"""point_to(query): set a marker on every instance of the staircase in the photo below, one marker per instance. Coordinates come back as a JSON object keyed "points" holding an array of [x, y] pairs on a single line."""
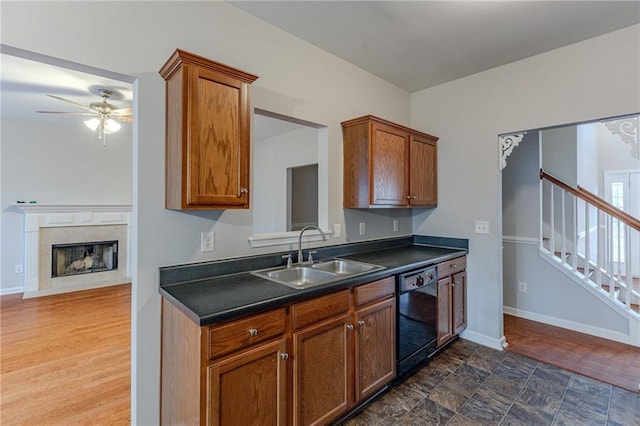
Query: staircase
{"points": [[595, 244]]}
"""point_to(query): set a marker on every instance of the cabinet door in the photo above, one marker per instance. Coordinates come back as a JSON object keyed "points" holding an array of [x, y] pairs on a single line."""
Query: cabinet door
{"points": [[423, 178], [249, 388], [459, 288], [389, 156], [321, 372], [217, 140], [375, 355], [445, 329]]}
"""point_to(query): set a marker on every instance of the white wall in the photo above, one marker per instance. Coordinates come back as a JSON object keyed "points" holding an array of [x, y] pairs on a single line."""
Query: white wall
{"points": [[588, 80], [296, 79], [272, 157], [551, 297], [51, 163], [560, 153], [588, 158], [521, 190], [613, 154]]}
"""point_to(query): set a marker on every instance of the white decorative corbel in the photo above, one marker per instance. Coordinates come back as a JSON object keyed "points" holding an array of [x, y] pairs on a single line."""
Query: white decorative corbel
{"points": [[507, 144], [627, 129]]}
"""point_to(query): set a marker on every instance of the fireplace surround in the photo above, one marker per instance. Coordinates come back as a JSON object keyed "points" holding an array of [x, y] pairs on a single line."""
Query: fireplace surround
{"points": [[51, 226]]}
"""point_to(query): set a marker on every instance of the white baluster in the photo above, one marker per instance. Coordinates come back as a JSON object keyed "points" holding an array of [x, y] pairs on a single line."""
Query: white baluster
{"points": [[552, 237], [574, 258], [587, 237], [610, 253], [563, 227]]}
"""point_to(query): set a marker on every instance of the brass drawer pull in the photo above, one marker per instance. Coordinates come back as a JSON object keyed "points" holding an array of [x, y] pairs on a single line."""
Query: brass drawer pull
{"points": [[253, 332]]}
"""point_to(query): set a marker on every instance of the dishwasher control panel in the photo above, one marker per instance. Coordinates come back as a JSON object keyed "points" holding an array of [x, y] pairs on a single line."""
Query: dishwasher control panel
{"points": [[416, 279]]}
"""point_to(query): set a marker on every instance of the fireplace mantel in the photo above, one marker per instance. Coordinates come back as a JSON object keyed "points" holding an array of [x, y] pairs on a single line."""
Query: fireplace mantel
{"points": [[71, 208], [40, 217]]}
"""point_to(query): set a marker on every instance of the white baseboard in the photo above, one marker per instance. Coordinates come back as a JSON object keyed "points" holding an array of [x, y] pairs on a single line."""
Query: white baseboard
{"points": [[11, 290], [483, 339], [569, 325], [68, 289]]}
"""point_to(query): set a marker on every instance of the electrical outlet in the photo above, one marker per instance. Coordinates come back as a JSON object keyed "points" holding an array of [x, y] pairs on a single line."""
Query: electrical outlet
{"points": [[363, 228], [18, 269], [206, 241], [337, 231], [482, 227], [395, 225], [522, 287]]}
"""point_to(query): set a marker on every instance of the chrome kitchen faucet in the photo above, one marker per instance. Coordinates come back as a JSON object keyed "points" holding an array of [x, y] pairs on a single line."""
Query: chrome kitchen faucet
{"points": [[300, 256]]}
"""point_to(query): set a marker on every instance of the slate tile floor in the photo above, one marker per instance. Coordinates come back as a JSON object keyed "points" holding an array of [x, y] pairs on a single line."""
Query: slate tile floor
{"points": [[469, 384]]}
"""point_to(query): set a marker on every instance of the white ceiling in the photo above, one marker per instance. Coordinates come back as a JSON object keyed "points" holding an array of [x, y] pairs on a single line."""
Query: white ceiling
{"points": [[419, 44], [25, 82], [412, 44]]}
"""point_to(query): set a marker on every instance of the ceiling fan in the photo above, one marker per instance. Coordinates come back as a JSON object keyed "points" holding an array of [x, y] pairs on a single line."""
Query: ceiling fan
{"points": [[106, 115]]}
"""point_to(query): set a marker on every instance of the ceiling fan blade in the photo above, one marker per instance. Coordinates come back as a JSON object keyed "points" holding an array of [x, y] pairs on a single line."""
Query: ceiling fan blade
{"points": [[123, 119], [70, 102], [67, 112], [123, 111]]}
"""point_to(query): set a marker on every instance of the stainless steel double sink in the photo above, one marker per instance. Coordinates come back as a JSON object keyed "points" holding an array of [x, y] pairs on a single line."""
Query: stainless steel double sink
{"points": [[311, 275]]}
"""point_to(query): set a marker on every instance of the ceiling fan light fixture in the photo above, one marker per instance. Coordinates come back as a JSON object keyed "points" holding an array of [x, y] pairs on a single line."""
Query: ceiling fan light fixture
{"points": [[92, 123], [111, 126], [107, 115]]}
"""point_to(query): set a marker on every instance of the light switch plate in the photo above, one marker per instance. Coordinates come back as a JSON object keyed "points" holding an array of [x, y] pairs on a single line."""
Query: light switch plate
{"points": [[482, 227]]}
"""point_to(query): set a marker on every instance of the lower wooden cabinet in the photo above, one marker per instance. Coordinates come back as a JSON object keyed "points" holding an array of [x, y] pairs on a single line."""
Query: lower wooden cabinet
{"points": [[459, 292], [249, 388], [375, 349], [338, 362], [321, 372], [452, 316], [445, 328], [304, 364]]}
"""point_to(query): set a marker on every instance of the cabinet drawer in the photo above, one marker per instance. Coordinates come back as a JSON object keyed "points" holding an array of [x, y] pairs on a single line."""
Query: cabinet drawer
{"points": [[310, 311], [240, 334], [452, 266], [376, 290]]}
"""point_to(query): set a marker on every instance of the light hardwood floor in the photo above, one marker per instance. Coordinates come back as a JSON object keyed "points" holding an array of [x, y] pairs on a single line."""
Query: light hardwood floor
{"points": [[611, 362], [65, 359]]}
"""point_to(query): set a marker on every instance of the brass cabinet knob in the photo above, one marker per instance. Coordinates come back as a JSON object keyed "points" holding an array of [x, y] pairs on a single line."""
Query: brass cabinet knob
{"points": [[253, 332]]}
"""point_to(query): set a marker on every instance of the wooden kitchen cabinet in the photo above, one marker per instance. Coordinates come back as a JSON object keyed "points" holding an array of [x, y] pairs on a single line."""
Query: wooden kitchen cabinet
{"points": [[249, 388], [206, 371], [345, 357], [459, 311], [388, 165], [208, 126], [423, 179], [307, 363], [322, 359], [375, 353], [452, 316]]}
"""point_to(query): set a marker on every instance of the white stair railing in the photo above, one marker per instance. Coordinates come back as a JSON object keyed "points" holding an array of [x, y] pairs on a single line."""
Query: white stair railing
{"points": [[602, 242]]}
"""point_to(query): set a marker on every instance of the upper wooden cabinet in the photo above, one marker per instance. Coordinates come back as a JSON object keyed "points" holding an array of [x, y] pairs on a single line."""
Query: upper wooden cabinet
{"points": [[207, 135], [388, 165]]}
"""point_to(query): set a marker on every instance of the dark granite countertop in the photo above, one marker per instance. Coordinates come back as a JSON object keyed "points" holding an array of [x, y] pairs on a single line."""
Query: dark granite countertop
{"points": [[216, 291]]}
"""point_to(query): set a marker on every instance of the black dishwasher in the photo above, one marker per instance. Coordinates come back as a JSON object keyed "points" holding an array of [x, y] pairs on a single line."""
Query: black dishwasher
{"points": [[417, 317]]}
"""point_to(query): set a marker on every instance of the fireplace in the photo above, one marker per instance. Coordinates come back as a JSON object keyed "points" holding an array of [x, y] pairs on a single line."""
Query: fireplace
{"points": [[83, 258], [70, 247]]}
